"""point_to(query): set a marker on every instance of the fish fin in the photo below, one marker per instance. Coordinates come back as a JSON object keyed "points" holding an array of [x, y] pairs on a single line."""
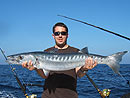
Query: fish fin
{"points": [[37, 61], [84, 50], [46, 72], [114, 59]]}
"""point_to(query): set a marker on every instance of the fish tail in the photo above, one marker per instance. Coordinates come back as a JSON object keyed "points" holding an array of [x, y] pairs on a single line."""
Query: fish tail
{"points": [[113, 61], [124, 79]]}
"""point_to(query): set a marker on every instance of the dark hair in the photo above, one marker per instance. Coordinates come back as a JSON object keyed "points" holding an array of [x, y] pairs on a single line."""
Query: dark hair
{"points": [[60, 24]]}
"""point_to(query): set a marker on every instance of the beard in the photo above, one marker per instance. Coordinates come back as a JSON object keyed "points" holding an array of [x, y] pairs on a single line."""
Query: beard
{"points": [[61, 45]]}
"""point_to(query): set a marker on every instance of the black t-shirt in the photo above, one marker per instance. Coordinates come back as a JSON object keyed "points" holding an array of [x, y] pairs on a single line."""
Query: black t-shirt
{"points": [[61, 84]]}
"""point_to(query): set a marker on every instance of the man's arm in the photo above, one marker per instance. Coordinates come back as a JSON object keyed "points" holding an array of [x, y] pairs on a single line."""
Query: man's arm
{"points": [[41, 73], [29, 66], [89, 64]]}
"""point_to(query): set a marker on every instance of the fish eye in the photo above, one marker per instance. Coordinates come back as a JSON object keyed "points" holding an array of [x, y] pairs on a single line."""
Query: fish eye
{"points": [[20, 57]]}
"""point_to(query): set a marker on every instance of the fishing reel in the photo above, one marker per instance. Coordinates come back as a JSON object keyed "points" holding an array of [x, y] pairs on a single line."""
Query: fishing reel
{"points": [[32, 96], [105, 93]]}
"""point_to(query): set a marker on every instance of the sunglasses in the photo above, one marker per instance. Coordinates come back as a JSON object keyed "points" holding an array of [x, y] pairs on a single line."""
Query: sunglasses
{"points": [[58, 33]]}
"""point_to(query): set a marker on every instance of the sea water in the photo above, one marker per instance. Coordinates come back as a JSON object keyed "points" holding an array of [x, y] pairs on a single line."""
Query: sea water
{"points": [[102, 75]]}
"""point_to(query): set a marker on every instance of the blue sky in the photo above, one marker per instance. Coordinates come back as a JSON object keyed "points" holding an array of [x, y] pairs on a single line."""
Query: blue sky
{"points": [[26, 25]]}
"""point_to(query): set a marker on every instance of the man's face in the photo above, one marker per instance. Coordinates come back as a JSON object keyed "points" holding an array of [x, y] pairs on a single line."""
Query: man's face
{"points": [[60, 39]]}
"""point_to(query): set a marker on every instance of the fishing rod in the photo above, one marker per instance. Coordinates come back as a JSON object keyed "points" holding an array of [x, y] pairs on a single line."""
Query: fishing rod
{"points": [[23, 87], [119, 35], [15, 75], [104, 94], [34, 85]]}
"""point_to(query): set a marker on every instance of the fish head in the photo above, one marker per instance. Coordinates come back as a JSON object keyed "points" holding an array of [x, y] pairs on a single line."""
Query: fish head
{"points": [[17, 59]]}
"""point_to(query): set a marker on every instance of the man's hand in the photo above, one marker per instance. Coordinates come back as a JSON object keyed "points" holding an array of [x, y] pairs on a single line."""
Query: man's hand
{"points": [[28, 65], [89, 64]]}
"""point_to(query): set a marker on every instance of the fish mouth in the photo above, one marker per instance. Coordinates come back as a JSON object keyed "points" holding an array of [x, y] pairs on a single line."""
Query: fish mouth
{"points": [[11, 60]]}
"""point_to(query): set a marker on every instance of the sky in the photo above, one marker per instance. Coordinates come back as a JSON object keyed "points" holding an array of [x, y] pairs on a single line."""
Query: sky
{"points": [[26, 25]]}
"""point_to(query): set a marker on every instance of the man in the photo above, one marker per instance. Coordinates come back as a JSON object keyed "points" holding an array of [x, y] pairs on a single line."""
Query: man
{"points": [[62, 84]]}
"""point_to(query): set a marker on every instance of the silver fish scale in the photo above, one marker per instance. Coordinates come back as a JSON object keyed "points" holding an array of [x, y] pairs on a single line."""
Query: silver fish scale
{"points": [[64, 58], [62, 65], [66, 61], [60, 61]]}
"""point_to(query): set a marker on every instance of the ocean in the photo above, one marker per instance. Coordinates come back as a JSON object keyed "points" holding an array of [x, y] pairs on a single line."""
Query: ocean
{"points": [[102, 75]]}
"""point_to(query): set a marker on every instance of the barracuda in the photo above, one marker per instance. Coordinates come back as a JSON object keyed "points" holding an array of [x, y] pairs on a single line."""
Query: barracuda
{"points": [[49, 61]]}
